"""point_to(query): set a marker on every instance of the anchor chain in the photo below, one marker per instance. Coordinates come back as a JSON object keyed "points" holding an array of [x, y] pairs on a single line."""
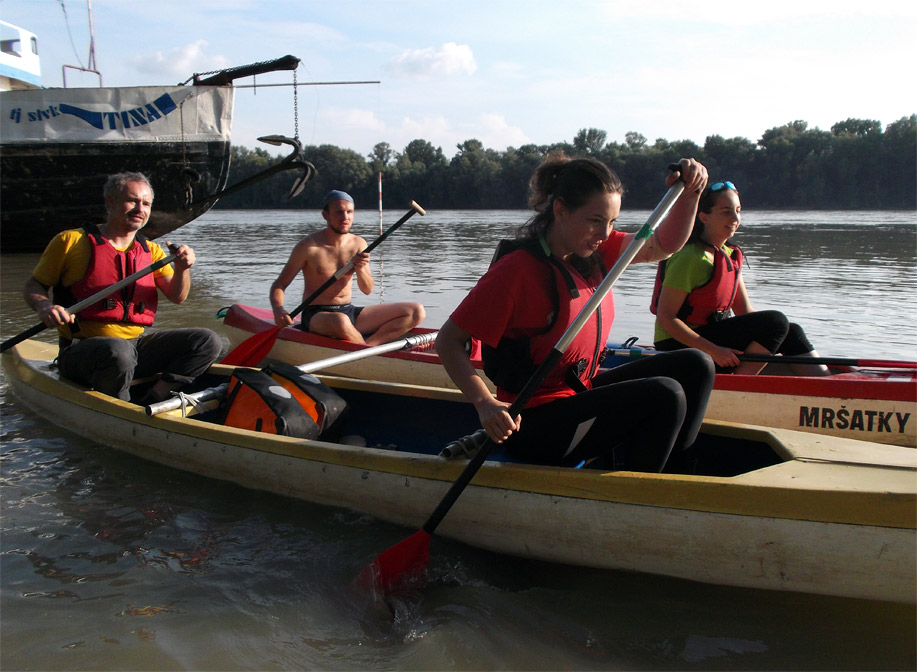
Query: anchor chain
{"points": [[192, 177], [295, 106]]}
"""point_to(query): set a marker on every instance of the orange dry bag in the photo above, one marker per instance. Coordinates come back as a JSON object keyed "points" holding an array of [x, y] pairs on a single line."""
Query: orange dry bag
{"points": [[281, 399]]}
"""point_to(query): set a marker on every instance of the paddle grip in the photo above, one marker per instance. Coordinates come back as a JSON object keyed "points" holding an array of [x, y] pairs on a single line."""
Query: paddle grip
{"points": [[676, 168], [487, 447], [390, 230], [346, 267], [173, 403]]}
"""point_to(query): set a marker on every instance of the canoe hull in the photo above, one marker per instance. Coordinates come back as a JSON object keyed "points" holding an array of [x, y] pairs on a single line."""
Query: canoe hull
{"points": [[871, 405], [765, 529], [827, 411]]}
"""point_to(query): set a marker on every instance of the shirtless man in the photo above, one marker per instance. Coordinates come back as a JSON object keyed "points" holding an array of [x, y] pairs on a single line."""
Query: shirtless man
{"points": [[319, 256]]}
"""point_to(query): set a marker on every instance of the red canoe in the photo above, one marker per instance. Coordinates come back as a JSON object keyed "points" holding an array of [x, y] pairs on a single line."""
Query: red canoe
{"points": [[874, 404]]}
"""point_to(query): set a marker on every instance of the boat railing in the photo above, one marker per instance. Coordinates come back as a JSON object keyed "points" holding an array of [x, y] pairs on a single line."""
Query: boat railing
{"points": [[80, 69]]}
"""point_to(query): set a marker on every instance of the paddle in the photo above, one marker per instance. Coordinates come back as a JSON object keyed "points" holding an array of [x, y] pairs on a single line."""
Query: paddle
{"points": [[408, 559], [636, 353], [829, 361], [219, 391], [255, 348], [98, 296]]}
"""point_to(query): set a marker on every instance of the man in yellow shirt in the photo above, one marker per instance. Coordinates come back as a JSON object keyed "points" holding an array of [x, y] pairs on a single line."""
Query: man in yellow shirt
{"points": [[105, 346]]}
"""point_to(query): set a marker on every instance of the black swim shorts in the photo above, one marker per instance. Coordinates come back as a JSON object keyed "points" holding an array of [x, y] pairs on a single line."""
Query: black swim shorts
{"points": [[347, 309]]}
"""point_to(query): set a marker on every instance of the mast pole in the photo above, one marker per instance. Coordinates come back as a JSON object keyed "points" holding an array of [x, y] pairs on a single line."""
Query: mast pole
{"points": [[92, 39]]}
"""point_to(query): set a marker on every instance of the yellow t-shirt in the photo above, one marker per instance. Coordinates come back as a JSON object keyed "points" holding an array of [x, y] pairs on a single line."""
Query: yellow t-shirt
{"points": [[66, 260]]}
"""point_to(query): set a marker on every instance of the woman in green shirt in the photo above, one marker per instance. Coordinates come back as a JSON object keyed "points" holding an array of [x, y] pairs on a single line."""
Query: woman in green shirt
{"points": [[700, 285]]}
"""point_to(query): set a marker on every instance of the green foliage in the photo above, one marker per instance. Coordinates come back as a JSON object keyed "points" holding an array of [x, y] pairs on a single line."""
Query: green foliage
{"points": [[856, 165], [589, 141]]}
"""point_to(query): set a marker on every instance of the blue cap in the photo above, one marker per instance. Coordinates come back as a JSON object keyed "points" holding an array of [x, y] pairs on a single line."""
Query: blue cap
{"points": [[335, 195]]}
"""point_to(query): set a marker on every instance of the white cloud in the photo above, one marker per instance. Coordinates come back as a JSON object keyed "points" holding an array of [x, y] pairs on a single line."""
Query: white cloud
{"points": [[181, 61], [651, 68], [495, 133], [449, 60], [432, 128], [440, 131], [353, 119]]}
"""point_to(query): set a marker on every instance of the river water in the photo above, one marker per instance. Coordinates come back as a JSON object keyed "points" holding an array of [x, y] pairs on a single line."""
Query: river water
{"points": [[112, 563]]}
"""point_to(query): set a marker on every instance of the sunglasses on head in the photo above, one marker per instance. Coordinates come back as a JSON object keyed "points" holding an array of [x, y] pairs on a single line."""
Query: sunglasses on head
{"points": [[719, 186]]}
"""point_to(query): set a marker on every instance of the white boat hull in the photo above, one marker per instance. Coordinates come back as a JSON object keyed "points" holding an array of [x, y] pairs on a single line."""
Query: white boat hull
{"points": [[888, 421]]}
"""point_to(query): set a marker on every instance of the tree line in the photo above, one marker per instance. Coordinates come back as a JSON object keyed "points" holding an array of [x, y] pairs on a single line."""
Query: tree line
{"points": [[855, 166]]}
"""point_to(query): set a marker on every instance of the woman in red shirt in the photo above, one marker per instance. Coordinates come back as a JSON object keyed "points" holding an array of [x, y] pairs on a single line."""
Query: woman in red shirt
{"points": [[630, 417]]}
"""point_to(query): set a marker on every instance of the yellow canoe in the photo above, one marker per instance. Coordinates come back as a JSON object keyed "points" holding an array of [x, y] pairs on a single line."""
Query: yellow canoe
{"points": [[772, 509]]}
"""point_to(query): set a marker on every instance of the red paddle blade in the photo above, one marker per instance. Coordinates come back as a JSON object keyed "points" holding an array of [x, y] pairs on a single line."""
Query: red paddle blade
{"points": [[253, 349], [886, 364], [403, 564]]}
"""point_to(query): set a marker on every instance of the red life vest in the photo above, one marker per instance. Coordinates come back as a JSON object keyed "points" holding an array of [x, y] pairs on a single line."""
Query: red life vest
{"points": [[711, 301], [134, 304], [513, 361]]}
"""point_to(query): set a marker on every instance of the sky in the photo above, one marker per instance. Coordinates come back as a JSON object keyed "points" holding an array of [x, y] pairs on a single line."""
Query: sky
{"points": [[505, 72]]}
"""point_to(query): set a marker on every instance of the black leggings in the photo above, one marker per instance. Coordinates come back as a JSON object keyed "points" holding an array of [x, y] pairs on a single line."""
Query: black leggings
{"points": [[768, 328], [635, 415]]}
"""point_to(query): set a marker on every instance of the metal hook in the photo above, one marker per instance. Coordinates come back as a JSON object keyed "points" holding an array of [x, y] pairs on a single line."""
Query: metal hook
{"points": [[296, 160]]}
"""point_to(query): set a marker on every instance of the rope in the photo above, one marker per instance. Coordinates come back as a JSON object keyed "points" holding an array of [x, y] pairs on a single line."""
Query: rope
{"points": [[69, 33], [187, 400], [424, 345]]}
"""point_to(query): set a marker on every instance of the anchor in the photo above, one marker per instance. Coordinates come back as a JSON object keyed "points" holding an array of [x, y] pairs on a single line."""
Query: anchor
{"points": [[295, 161]]}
